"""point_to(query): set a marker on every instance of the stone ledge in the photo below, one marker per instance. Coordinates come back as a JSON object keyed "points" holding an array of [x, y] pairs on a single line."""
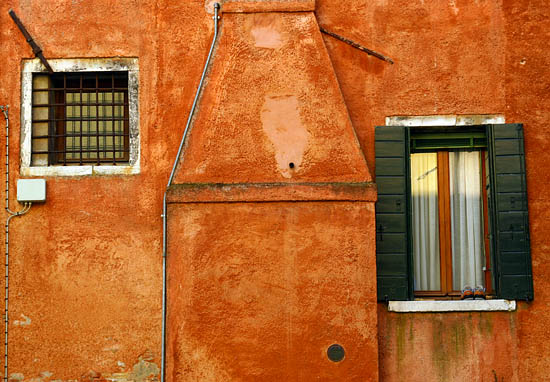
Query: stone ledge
{"points": [[254, 6], [85, 170], [270, 192], [445, 120], [452, 306]]}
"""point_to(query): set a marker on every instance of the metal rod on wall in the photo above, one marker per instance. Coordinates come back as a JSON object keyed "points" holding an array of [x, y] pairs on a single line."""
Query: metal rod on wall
{"points": [[357, 46], [35, 48]]}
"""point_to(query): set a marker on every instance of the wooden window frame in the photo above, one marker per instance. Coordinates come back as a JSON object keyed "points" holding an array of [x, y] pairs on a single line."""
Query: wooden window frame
{"points": [[509, 272], [445, 237]]}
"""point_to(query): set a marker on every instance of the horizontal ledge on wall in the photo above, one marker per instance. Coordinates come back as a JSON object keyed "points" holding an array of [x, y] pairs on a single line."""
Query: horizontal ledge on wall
{"points": [[244, 6], [444, 120], [85, 170], [428, 306], [270, 192]]}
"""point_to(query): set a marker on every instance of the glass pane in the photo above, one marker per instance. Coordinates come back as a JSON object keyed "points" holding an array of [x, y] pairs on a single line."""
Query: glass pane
{"points": [[81, 119], [425, 221], [466, 219]]}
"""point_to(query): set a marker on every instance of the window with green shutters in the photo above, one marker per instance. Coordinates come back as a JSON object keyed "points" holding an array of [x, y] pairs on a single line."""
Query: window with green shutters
{"points": [[506, 232]]}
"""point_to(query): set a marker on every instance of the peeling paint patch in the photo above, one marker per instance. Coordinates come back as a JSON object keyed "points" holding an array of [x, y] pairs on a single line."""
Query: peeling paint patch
{"points": [[282, 124], [266, 37], [113, 348], [265, 31], [455, 9], [26, 321], [16, 377], [144, 370], [90, 376]]}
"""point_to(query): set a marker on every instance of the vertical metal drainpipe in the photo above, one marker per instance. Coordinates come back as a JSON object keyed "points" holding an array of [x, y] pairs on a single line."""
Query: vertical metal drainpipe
{"points": [[164, 216], [12, 214]]}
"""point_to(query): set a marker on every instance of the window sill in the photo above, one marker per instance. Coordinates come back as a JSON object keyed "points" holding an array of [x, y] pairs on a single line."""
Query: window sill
{"points": [[79, 170], [452, 306]]}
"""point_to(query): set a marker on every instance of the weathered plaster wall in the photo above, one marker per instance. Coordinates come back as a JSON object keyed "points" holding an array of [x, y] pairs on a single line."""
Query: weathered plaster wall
{"points": [[449, 346], [456, 57], [259, 291], [86, 268], [272, 110], [271, 230]]}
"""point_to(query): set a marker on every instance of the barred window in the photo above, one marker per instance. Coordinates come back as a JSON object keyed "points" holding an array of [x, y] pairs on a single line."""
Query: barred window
{"points": [[80, 118]]}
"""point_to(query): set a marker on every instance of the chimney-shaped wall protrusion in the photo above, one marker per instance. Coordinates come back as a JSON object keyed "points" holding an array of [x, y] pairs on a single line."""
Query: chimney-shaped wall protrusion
{"points": [[272, 109], [271, 260]]}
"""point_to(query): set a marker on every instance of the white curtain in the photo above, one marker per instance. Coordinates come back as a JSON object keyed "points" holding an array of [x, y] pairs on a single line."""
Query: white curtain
{"points": [[425, 221], [466, 219]]}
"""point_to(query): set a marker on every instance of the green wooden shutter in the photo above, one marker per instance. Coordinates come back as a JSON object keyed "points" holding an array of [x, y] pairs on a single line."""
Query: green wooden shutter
{"points": [[392, 213], [509, 216]]}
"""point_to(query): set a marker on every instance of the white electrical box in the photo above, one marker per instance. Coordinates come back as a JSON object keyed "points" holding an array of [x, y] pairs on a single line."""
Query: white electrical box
{"points": [[31, 190]]}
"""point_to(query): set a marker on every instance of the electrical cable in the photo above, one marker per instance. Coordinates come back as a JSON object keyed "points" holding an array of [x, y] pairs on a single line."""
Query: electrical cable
{"points": [[12, 214]]}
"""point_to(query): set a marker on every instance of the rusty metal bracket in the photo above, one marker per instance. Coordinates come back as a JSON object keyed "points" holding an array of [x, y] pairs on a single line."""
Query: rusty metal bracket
{"points": [[35, 48], [357, 46]]}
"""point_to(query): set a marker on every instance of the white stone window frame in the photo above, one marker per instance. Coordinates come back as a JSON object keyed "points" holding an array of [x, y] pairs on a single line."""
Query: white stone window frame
{"points": [[441, 306], [80, 65]]}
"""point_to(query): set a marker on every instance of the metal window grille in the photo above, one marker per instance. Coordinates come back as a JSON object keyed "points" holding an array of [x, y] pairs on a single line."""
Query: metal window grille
{"points": [[80, 118]]}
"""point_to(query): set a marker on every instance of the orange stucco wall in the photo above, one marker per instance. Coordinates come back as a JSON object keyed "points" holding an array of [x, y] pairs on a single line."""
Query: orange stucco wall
{"points": [[259, 291], [85, 268], [456, 57], [276, 264]]}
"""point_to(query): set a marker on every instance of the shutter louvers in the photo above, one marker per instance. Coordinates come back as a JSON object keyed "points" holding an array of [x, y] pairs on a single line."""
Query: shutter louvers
{"points": [[392, 222], [509, 221]]}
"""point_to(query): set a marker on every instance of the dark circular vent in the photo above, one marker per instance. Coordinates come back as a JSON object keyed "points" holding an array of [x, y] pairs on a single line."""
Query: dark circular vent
{"points": [[336, 353]]}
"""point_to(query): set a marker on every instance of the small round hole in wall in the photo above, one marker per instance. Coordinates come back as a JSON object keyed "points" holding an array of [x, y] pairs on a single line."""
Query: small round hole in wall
{"points": [[291, 165], [335, 353]]}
